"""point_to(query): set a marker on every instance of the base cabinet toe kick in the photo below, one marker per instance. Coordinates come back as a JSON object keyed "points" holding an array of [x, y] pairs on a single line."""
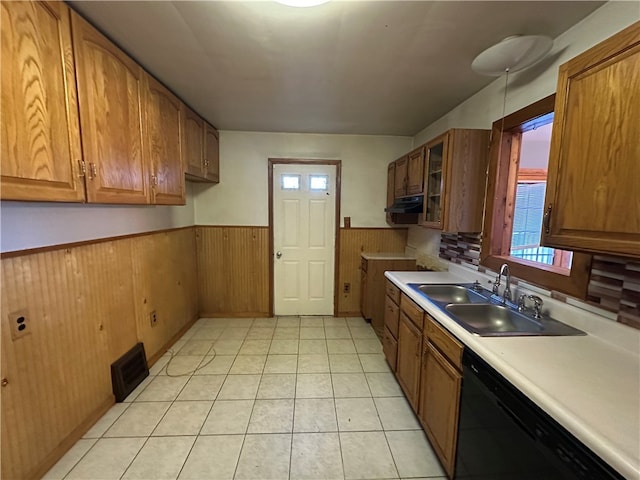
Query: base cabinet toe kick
{"points": [[478, 423]]}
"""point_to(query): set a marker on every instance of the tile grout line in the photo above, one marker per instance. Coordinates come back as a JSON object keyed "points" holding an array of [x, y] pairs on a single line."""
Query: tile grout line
{"points": [[296, 375], [198, 435], [190, 376]]}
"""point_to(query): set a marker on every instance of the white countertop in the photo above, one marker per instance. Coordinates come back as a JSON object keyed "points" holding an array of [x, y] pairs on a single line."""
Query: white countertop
{"points": [[386, 256], [588, 384]]}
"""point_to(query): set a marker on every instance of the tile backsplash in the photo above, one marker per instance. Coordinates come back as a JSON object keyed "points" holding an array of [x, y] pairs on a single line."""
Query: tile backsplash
{"points": [[614, 284], [461, 248]]}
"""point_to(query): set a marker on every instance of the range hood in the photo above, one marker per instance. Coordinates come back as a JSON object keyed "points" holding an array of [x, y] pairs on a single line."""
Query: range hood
{"points": [[406, 205]]}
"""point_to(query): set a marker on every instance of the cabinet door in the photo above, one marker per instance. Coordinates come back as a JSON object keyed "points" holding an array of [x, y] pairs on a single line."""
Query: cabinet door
{"points": [[401, 177], [437, 151], [408, 366], [465, 174], [415, 172], [594, 163], [391, 189], [110, 98], [192, 142], [440, 406], [162, 127], [40, 130], [211, 154], [390, 349], [391, 316]]}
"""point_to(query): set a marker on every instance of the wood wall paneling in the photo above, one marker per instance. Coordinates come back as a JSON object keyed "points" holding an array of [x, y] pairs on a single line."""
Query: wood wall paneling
{"points": [[233, 270], [354, 241], [84, 307], [164, 270]]}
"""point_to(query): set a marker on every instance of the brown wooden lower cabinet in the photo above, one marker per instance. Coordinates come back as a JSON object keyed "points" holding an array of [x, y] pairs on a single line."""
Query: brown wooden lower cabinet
{"points": [[390, 348], [391, 316], [441, 405], [428, 365], [374, 285], [408, 364]]}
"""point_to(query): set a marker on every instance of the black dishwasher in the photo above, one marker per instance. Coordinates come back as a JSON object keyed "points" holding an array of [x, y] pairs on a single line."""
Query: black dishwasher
{"points": [[502, 435]]}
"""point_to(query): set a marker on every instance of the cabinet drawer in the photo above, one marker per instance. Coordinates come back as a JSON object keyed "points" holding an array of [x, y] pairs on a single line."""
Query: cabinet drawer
{"points": [[390, 348], [393, 292], [449, 346], [391, 316], [411, 310]]}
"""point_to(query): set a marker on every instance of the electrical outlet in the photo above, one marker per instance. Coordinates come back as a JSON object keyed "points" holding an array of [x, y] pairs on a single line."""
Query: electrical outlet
{"points": [[19, 324], [346, 288], [153, 317]]}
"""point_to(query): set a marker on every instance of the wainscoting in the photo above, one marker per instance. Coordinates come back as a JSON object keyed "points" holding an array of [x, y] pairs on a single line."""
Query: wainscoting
{"points": [[233, 267], [354, 241], [84, 305], [233, 271]]}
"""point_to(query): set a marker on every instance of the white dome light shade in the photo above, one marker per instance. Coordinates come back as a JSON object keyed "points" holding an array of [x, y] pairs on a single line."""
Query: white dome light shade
{"points": [[302, 3], [512, 54]]}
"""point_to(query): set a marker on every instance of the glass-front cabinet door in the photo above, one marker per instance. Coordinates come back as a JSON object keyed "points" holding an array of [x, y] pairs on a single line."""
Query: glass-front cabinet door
{"points": [[433, 181]]}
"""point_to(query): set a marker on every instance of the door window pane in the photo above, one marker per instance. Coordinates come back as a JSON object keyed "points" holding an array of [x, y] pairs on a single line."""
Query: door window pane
{"points": [[318, 182], [290, 182]]}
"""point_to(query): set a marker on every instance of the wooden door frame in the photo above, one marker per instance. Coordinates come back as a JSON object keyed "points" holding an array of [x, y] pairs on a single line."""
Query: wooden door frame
{"points": [[336, 256]]}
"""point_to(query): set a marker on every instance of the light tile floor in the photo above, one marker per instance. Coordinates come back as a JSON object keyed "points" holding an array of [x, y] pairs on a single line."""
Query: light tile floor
{"points": [[272, 398]]}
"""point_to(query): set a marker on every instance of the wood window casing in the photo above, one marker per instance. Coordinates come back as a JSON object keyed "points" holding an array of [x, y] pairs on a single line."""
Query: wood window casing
{"points": [[498, 222]]}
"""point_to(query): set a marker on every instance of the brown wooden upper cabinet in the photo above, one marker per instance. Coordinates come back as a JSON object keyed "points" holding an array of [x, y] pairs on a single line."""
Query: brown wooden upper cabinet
{"points": [[415, 171], [409, 174], [454, 180], [41, 150], [200, 148], [391, 182], [592, 202], [192, 142], [162, 148], [110, 94], [104, 130], [211, 153], [400, 178]]}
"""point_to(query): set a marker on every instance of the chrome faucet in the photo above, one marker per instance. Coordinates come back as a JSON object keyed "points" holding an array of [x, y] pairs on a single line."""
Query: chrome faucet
{"points": [[506, 294], [537, 305]]}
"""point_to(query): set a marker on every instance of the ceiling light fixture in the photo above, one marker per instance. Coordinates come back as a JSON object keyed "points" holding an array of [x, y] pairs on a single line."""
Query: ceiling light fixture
{"points": [[512, 54], [302, 3]]}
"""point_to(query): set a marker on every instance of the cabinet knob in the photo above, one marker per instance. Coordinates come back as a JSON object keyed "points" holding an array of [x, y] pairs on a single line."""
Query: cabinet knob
{"points": [[4, 382]]}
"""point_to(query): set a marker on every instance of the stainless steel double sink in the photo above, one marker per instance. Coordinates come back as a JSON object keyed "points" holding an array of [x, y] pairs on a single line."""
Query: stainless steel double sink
{"points": [[482, 313]]}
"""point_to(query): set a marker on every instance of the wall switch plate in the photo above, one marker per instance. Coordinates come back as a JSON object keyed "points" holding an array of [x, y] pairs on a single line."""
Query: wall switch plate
{"points": [[153, 318], [19, 324]]}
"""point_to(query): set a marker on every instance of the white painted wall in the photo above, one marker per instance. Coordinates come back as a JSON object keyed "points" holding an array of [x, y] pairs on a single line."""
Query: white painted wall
{"points": [[241, 198], [526, 87], [32, 224]]}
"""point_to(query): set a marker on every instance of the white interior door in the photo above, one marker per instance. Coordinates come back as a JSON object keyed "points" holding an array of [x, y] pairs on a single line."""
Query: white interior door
{"points": [[304, 208]]}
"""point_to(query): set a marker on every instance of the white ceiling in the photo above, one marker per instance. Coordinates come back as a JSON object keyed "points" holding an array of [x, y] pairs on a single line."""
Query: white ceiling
{"points": [[357, 67]]}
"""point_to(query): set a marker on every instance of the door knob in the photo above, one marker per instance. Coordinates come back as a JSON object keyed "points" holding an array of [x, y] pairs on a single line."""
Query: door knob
{"points": [[278, 254]]}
